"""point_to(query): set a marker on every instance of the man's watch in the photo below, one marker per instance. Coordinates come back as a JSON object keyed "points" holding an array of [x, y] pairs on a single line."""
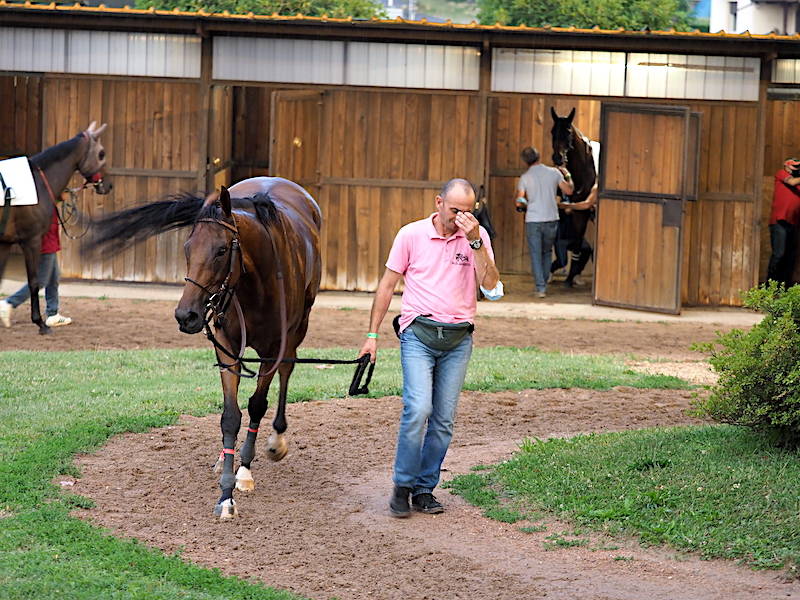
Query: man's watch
{"points": [[476, 244]]}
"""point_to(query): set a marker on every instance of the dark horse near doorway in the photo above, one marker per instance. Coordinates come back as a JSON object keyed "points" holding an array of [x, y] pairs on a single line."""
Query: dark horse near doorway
{"points": [[572, 149], [52, 170], [253, 270]]}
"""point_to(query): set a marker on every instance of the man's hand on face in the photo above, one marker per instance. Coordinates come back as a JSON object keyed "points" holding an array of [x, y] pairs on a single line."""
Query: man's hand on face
{"points": [[467, 223]]}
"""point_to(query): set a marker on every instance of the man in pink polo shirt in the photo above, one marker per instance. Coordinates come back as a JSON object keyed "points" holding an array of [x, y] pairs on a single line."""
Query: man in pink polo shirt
{"points": [[443, 259]]}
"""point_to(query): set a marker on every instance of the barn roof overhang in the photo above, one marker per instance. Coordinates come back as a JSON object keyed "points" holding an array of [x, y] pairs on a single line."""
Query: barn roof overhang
{"points": [[398, 30]]}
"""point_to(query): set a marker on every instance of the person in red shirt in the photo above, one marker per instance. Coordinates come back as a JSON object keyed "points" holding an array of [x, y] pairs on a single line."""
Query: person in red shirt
{"points": [[783, 222], [49, 274]]}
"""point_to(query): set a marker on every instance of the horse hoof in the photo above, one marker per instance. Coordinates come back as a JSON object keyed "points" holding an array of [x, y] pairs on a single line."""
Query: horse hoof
{"points": [[226, 510], [277, 446], [244, 480], [45, 330]]}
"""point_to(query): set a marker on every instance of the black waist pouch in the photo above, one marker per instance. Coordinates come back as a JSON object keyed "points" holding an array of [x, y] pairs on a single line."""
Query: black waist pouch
{"points": [[440, 336]]}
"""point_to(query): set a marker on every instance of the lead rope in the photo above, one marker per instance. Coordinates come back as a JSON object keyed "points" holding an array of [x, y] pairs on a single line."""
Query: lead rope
{"points": [[363, 364]]}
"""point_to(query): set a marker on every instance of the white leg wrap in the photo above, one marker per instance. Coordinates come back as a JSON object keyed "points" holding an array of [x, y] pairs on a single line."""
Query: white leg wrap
{"points": [[244, 480], [226, 510]]}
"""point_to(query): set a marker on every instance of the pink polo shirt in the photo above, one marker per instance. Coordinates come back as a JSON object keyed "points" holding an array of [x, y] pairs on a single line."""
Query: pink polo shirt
{"points": [[439, 273]]}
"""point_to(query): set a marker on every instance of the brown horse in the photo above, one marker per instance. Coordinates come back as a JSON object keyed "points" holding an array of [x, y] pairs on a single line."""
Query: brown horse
{"points": [[572, 149], [253, 270], [52, 170]]}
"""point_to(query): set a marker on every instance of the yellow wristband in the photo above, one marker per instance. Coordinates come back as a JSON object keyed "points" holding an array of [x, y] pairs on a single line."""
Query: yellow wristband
{"points": [[372, 336]]}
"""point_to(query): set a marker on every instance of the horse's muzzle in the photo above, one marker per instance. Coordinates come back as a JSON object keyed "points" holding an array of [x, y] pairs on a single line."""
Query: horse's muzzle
{"points": [[103, 187], [189, 321], [557, 160]]}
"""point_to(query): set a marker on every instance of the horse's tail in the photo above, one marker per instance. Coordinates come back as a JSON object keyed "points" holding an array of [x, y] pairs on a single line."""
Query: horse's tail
{"points": [[117, 231]]}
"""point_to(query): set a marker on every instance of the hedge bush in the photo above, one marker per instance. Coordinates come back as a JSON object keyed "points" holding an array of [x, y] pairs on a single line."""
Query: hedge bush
{"points": [[759, 370]]}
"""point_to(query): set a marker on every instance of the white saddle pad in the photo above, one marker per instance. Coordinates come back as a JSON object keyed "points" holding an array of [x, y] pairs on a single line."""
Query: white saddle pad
{"points": [[17, 175]]}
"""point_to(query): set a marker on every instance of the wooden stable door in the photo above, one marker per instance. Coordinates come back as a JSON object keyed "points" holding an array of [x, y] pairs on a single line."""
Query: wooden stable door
{"points": [[645, 175], [220, 137], [296, 121]]}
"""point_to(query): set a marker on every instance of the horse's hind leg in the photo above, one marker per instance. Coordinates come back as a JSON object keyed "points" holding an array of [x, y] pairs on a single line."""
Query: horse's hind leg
{"points": [[230, 423], [256, 409], [5, 250], [276, 444], [32, 252]]}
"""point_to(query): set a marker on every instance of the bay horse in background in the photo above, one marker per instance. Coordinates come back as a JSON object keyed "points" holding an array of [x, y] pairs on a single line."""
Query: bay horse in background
{"points": [[51, 170], [572, 149], [253, 270]]}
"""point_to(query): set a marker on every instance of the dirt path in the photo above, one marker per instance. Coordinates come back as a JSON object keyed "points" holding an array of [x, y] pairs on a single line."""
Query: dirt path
{"points": [[317, 522]]}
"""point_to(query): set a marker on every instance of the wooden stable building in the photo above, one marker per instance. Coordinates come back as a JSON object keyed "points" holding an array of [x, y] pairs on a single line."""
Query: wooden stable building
{"points": [[373, 116]]}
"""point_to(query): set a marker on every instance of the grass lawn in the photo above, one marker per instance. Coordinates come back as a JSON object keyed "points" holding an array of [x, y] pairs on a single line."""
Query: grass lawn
{"points": [[716, 490], [56, 404]]}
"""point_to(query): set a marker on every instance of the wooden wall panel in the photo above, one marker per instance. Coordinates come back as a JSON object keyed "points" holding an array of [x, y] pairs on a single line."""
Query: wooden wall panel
{"points": [[718, 253], [151, 125], [625, 273], [153, 147], [21, 125], [251, 127], [403, 137], [359, 224]]}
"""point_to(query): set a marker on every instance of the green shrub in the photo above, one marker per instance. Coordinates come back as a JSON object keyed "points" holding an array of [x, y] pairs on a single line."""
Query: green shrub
{"points": [[759, 370]]}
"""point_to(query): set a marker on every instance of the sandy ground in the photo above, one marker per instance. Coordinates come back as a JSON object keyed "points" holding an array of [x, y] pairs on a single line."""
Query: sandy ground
{"points": [[317, 522]]}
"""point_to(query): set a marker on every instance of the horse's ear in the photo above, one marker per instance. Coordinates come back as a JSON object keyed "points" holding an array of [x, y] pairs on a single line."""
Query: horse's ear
{"points": [[225, 201], [571, 115], [90, 128], [96, 133], [554, 113]]}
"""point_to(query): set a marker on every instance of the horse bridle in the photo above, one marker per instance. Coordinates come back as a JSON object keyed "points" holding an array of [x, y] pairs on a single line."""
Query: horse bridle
{"points": [[220, 300], [94, 179]]}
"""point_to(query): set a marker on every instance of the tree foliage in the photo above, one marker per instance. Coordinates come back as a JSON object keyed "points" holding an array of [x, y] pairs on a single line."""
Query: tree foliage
{"points": [[358, 9], [633, 15]]}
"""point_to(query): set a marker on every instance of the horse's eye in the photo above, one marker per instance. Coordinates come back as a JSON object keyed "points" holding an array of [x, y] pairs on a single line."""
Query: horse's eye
{"points": [[222, 250], [101, 155]]}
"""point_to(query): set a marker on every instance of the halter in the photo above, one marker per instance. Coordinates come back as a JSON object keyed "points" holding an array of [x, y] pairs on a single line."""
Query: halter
{"points": [[93, 179], [220, 300]]}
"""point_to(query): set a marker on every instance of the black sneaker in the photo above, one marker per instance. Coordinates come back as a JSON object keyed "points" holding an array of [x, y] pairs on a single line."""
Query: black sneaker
{"points": [[398, 504], [427, 503]]}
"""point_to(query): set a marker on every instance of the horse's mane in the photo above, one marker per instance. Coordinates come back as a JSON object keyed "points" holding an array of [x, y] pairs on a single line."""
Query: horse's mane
{"points": [[118, 231], [60, 151]]}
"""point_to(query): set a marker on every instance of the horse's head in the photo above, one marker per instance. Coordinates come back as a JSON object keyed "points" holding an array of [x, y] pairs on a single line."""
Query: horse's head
{"points": [[562, 136], [213, 264], [93, 164]]}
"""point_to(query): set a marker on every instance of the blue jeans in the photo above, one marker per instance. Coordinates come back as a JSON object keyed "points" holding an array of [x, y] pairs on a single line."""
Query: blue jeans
{"points": [[541, 237], [432, 381], [48, 275]]}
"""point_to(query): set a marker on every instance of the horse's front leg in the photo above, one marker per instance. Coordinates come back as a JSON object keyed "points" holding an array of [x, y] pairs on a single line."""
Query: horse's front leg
{"points": [[276, 444], [32, 253], [230, 423], [256, 409]]}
